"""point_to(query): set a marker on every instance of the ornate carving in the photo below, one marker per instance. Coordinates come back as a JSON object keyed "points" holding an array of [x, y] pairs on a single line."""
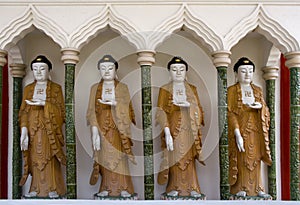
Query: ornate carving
{"points": [[264, 24], [185, 17]]}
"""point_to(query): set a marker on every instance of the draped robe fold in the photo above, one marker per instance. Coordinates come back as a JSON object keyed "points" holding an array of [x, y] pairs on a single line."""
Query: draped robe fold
{"points": [[178, 168], [45, 153], [245, 167], [113, 123]]}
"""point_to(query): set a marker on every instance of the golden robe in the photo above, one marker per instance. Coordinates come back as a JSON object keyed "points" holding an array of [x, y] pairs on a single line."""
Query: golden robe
{"points": [[45, 154], [113, 123], [178, 167], [245, 167]]}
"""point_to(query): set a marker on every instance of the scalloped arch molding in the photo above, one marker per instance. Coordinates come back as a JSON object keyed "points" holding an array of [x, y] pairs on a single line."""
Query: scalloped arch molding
{"points": [[258, 20]]}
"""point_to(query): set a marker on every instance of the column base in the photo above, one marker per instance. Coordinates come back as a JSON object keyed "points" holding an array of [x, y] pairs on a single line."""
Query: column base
{"points": [[235, 197], [164, 196], [132, 197], [46, 197]]}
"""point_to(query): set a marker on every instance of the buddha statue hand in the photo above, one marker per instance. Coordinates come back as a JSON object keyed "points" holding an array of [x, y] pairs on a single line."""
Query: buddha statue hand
{"points": [[24, 139], [96, 139], [36, 102], [169, 139], [255, 105], [108, 102], [239, 140], [182, 104]]}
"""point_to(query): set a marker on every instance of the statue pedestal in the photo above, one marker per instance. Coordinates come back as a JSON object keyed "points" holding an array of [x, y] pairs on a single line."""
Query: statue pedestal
{"points": [[234, 197], [46, 197], [132, 197], [164, 196]]}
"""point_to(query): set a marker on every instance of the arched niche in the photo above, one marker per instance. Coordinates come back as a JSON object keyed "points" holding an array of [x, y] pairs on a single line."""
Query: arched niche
{"points": [[256, 47], [203, 74], [262, 52], [108, 41], [36, 43]]}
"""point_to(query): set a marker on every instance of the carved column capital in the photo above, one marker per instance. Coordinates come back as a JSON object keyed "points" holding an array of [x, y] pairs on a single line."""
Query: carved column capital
{"points": [[70, 56], [270, 72], [146, 57], [3, 60], [221, 58], [292, 59], [17, 70]]}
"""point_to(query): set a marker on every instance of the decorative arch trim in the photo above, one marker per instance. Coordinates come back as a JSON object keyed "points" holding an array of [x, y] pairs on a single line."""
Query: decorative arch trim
{"points": [[260, 21], [23, 25], [184, 17], [107, 17]]}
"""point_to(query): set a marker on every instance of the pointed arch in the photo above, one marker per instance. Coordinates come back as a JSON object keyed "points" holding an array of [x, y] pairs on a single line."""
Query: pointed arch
{"points": [[261, 22], [25, 23], [107, 17], [184, 17]]}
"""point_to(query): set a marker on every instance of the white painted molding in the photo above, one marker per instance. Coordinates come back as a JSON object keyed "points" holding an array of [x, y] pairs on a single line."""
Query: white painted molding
{"points": [[70, 56], [292, 59], [146, 57], [184, 17], [107, 17], [25, 23], [270, 72], [17, 70], [221, 58], [3, 60], [15, 55], [274, 57], [265, 25]]}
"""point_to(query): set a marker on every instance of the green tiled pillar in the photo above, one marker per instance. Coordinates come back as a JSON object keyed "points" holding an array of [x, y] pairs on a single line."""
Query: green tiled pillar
{"points": [[146, 60], [221, 60], [70, 59], [3, 62], [293, 63], [270, 75], [18, 72]]}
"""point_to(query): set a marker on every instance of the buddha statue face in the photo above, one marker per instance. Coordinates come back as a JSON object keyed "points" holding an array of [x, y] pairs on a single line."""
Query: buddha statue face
{"points": [[177, 72], [245, 74], [107, 70], [40, 71]]}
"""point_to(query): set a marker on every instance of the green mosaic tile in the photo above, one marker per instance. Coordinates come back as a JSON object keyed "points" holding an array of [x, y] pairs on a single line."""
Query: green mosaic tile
{"points": [[270, 99], [147, 131], [295, 85], [69, 83], [222, 86], [149, 192], [223, 131], [294, 140], [17, 156], [70, 131]]}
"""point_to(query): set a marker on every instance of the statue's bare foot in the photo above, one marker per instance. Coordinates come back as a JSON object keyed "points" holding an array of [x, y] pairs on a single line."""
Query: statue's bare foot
{"points": [[31, 194], [173, 193], [241, 193], [125, 194], [103, 193], [53, 194], [263, 194], [195, 194]]}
